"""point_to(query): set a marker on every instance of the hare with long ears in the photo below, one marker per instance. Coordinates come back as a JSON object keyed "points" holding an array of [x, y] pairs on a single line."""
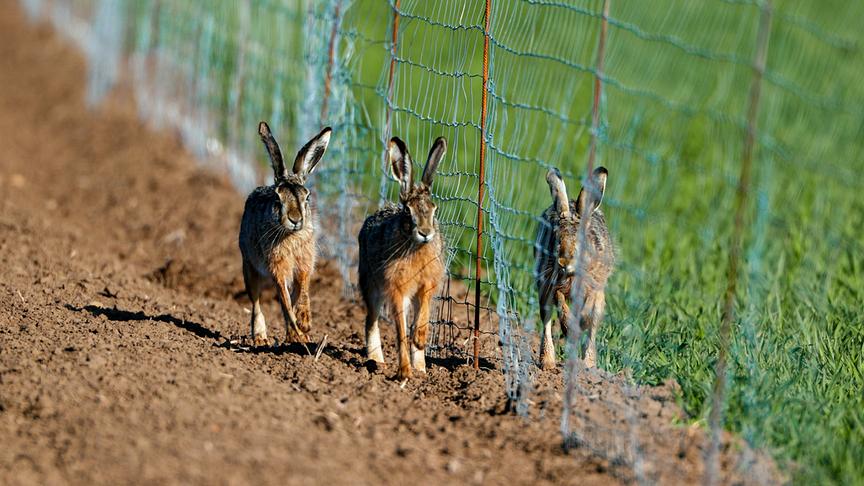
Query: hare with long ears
{"points": [[277, 238], [557, 252], [401, 260]]}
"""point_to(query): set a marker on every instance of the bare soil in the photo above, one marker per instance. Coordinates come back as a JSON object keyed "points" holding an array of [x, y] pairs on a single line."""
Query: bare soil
{"points": [[121, 292]]}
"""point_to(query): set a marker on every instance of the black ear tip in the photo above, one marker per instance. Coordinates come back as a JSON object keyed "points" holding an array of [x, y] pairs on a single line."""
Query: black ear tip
{"points": [[263, 129], [326, 130], [440, 141], [553, 172], [396, 141], [601, 170]]}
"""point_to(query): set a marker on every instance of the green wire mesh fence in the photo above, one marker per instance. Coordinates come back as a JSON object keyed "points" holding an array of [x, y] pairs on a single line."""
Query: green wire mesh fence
{"points": [[666, 106]]}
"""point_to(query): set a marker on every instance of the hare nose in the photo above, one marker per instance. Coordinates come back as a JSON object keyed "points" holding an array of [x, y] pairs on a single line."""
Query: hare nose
{"points": [[294, 221], [421, 233]]}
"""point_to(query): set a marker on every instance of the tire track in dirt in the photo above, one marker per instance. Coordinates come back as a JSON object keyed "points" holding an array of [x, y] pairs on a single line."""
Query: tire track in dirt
{"points": [[121, 287]]}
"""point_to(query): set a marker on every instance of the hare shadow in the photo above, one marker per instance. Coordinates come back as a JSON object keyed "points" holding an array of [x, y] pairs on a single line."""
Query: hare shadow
{"points": [[278, 349], [352, 356], [356, 358], [120, 315], [451, 363]]}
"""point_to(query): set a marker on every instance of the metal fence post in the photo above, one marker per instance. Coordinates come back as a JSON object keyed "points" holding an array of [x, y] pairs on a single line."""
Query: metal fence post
{"points": [[712, 469], [598, 86], [481, 185], [388, 111], [328, 75], [394, 41]]}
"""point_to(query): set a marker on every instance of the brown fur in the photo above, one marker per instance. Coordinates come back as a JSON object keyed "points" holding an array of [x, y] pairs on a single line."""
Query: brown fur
{"points": [[277, 239], [401, 262], [557, 251]]}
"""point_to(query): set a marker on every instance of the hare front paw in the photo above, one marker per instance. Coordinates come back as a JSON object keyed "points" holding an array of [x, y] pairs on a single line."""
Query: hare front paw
{"points": [[304, 318], [259, 340], [591, 358], [295, 335], [547, 358], [404, 372], [418, 360]]}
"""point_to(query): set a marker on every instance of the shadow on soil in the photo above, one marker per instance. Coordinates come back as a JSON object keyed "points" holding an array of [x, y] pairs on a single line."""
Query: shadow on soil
{"points": [[354, 357], [120, 315], [239, 345]]}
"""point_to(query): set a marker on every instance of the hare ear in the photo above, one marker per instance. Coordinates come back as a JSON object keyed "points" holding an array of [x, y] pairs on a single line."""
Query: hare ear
{"points": [[272, 150], [400, 165], [559, 192], [309, 156], [436, 153], [597, 184]]}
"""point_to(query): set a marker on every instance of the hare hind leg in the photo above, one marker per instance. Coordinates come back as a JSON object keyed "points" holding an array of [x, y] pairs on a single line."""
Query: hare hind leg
{"points": [[547, 344], [374, 351], [254, 284]]}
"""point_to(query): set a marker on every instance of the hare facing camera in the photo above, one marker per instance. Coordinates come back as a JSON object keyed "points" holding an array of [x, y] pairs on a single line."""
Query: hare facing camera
{"points": [[560, 262], [277, 238], [401, 260]]}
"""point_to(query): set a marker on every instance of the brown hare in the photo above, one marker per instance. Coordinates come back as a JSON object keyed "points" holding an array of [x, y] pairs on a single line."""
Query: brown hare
{"points": [[401, 260], [277, 238], [557, 252]]}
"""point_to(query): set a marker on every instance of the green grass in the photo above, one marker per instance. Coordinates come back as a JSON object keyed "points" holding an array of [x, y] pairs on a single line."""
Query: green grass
{"points": [[678, 76]]}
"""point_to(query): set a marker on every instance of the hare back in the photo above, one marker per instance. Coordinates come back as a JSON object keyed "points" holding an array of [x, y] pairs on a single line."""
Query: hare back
{"points": [[267, 245], [391, 260]]}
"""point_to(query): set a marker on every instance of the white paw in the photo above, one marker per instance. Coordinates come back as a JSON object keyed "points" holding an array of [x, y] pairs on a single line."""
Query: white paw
{"points": [[418, 359], [547, 355], [548, 361], [375, 354], [260, 340]]}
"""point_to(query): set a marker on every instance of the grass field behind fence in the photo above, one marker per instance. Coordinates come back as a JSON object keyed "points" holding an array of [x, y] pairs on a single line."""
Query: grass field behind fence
{"points": [[673, 119]]}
